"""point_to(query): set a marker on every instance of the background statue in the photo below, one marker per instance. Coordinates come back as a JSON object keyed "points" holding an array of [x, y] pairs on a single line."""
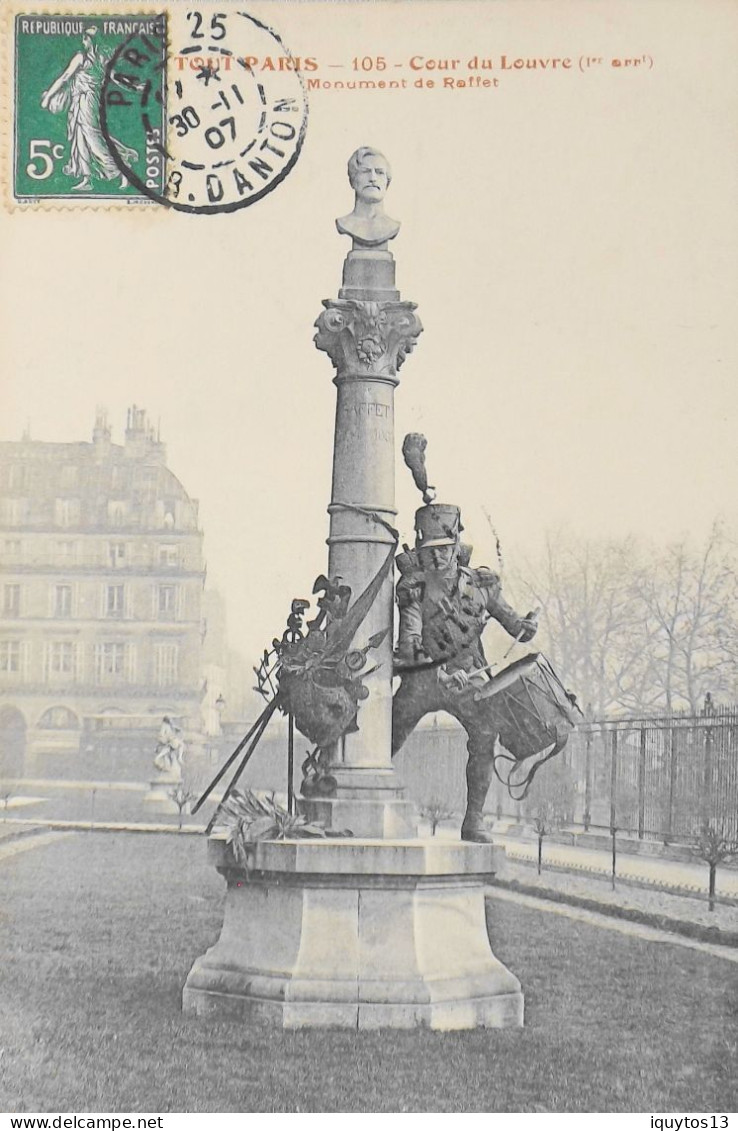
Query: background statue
{"points": [[170, 748], [368, 225]]}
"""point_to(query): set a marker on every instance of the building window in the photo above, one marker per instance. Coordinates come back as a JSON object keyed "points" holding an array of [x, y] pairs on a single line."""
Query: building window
{"points": [[66, 553], [117, 554], [17, 477], [167, 602], [11, 600], [114, 601], [111, 662], [60, 657], [168, 555], [10, 655], [12, 549], [58, 718], [169, 513], [14, 512], [69, 475], [166, 663], [63, 601], [66, 512], [117, 511]]}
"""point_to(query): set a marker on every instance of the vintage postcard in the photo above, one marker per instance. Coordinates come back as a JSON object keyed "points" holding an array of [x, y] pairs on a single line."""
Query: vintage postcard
{"points": [[368, 538]]}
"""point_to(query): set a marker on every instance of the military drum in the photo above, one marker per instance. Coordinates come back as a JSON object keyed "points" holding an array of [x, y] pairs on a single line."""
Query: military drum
{"points": [[532, 707]]}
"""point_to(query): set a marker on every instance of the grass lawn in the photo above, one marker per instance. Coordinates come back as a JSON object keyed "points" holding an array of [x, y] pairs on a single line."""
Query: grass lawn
{"points": [[98, 932]]}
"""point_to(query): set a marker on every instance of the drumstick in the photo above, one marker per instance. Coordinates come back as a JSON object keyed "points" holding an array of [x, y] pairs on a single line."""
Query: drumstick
{"points": [[533, 616], [488, 667]]}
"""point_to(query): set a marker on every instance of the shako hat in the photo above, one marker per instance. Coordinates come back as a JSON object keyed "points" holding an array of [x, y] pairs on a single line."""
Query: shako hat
{"points": [[437, 524]]}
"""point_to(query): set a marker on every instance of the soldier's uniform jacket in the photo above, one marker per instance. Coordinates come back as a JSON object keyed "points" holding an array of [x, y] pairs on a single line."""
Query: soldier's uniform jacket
{"points": [[444, 622]]}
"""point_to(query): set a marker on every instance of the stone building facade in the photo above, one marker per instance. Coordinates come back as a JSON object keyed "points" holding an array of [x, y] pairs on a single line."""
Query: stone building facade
{"points": [[101, 624]]}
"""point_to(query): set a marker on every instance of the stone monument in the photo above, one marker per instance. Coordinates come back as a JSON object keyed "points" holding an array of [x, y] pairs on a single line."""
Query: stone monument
{"points": [[381, 929]]}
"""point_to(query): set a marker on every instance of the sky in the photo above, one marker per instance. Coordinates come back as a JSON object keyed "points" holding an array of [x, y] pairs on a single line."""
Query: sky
{"points": [[569, 237]]}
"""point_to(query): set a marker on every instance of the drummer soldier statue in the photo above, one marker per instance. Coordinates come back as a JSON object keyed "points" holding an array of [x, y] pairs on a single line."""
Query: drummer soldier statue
{"points": [[444, 606]]}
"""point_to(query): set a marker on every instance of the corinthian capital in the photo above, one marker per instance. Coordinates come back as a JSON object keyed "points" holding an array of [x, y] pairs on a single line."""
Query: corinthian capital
{"points": [[367, 339]]}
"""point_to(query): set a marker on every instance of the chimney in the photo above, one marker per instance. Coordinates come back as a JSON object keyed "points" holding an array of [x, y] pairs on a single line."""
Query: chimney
{"points": [[142, 440], [101, 433]]}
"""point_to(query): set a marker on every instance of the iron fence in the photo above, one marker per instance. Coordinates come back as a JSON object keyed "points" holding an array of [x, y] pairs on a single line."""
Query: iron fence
{"points": [[658, 778]]}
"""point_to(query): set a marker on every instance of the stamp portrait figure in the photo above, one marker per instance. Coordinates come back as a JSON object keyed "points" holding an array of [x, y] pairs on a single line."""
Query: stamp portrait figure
{"points": [[77, 91]]}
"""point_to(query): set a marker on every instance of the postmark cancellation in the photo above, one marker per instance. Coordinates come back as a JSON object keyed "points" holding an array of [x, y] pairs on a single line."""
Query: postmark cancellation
{"points": [[118, 107]]}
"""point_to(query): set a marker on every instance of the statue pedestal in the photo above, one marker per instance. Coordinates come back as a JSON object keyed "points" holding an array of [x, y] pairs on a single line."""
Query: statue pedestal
{"points": [[369, 803], [369, 276], [159, 799], [360, 934]]}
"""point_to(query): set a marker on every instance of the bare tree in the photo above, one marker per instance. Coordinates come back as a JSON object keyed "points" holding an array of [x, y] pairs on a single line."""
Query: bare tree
{"points": [[689, 600], [550, 801], [591, 623], [181, 796], [435, 811], [715, 847], [632, 628], [544, 822]]}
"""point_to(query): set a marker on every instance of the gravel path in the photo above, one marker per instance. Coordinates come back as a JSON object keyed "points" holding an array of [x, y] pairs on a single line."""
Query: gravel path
{"points": [[691, 909]]}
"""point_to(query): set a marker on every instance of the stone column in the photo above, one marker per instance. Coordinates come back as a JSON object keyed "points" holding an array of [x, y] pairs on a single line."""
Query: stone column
{"points": [[367, 333]]}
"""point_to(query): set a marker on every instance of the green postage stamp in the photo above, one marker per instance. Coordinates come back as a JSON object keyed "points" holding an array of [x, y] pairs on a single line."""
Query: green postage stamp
{"points": [[66, 117]]}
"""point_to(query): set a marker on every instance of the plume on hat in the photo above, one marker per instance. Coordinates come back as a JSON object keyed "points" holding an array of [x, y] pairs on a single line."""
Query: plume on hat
{"points": [[413, 452]]}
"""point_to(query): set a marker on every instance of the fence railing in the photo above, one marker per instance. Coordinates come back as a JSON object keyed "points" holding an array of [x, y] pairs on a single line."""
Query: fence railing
{"points": [[659, 778], [662, 778]]}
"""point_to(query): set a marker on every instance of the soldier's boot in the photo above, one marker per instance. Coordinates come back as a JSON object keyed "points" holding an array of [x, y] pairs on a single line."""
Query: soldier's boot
{"points": [[479, 772]]}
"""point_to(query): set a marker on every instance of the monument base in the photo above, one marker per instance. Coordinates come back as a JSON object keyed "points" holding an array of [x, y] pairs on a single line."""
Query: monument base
{"points": [[368, 803], [159, 798], [369, 276], [358, 934]]}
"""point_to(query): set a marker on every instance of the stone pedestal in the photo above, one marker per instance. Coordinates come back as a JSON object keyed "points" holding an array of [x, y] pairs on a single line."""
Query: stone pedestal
{"points": [[159, 799], [357, 934], [369, 803], [370, 276]]}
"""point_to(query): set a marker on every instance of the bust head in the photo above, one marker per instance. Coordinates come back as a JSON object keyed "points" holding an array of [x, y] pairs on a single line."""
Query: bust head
{"points": [[368, 225], [369, 174]]}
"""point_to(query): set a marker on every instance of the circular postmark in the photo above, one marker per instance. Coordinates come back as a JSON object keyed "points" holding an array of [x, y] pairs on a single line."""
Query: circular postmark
{"points": [[222, 103]]}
